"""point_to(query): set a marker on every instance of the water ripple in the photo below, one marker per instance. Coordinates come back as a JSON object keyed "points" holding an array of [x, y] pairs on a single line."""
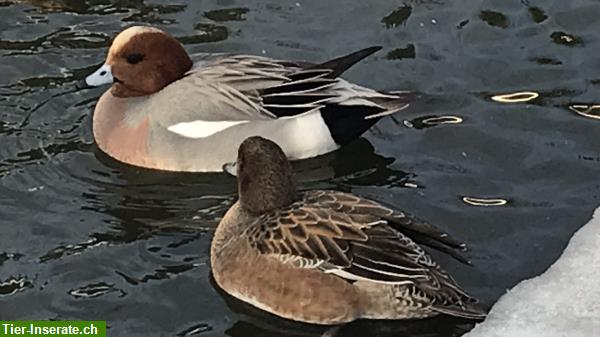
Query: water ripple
{"points": [[95, 290], [397, 17], [89, 232], [517, 97], [163, 273], [196, 329], [227, 14], [14, 285], [585, 110], [486, 202]]}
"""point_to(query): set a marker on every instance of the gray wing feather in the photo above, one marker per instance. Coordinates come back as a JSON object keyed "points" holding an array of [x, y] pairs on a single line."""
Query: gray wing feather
{"points": [[245, 87]]}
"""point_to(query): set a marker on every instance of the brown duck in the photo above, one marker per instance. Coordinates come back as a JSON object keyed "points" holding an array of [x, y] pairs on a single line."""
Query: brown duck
{"points": [[328, 257]]}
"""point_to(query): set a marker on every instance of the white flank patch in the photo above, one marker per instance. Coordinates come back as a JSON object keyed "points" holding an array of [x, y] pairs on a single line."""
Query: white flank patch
{"points": [[306, 137], [202, 129]]}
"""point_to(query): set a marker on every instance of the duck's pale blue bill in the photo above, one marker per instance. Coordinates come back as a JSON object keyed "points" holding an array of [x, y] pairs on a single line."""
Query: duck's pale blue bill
{"points": [[101, 76], [231, 168]]}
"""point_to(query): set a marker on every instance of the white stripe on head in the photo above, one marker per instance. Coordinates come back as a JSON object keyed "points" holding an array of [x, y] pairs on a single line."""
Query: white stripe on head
{"points": [[202, 129], [101, 76]]}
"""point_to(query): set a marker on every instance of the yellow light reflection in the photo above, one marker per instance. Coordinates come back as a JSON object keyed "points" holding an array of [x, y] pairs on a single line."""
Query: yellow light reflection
{"points": [[589, 111], [442, 120], [485, 201], [517, 97]]}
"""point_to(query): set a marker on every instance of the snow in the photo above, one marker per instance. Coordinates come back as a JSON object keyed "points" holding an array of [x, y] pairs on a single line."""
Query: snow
{"points": [[562, 302]]}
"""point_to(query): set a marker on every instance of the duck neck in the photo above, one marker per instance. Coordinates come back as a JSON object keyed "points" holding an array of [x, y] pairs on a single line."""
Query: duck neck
{"points": [[268, 196], [229, 231]]}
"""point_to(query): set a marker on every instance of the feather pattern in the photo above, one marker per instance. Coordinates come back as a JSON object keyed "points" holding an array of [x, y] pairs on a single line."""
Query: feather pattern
{"points": [[283, 88], [358, 239]]}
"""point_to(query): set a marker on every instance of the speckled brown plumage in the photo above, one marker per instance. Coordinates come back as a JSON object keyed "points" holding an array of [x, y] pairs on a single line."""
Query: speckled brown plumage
{"points": [[328, 257]]}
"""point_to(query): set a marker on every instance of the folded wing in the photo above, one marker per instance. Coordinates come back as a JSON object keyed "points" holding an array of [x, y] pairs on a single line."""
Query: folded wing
{"points": [[255, 87], [355, 239]]}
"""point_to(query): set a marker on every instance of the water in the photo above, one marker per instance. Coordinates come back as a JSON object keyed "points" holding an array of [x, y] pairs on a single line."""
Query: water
{"points": [[84, 237]]}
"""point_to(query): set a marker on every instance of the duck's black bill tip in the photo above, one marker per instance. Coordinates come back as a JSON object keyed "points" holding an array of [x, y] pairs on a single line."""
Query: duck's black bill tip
{"points": [[230, 168], [82, 84]]}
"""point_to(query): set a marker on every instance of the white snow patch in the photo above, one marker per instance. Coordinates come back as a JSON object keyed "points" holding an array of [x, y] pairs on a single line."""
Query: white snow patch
{"points": [[562, 302]]}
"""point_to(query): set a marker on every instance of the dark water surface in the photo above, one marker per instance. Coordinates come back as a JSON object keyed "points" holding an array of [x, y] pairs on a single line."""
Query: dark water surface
{"points": [[84, 237]]}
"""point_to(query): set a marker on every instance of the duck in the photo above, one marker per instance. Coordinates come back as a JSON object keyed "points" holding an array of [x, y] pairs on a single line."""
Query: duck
{"points": [[170, 111], [328, 257]]}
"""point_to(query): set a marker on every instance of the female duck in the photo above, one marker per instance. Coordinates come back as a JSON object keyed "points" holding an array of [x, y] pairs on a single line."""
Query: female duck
{"points": [[327, 257], [169, 112]]}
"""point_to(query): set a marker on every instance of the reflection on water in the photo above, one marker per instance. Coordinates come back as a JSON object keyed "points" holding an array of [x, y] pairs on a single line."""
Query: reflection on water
{"points": [[205, 32], [85, 237], [195, 330], [546, 61], [517, 97], [62, 38], [589, 111], [71, 249], [566, 39], [227, 14], [484, 201], [14, 284], [397, 17], [165, 272], [537, 14], [407, 52], [495, 19], [146, 12], [431, 121], [95, 290]]}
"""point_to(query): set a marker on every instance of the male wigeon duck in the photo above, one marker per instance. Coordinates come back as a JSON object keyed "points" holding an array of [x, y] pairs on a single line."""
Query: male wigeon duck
{"points": [[328, 257], [168, 111]]}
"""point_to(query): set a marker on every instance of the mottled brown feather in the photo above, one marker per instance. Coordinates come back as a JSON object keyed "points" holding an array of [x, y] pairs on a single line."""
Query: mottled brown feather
{"points": [[359, 241], [337, 238]]}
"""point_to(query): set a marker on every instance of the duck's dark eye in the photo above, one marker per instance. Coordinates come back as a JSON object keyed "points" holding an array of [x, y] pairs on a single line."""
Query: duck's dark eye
{"points": [[134, 58]]}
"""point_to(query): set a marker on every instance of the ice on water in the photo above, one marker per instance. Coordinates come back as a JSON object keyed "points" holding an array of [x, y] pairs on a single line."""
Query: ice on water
{"points": [[562, 302]]}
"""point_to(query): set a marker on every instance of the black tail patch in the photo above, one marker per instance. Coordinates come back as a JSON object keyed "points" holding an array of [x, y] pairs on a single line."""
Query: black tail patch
{"points": [[346, 123]]}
